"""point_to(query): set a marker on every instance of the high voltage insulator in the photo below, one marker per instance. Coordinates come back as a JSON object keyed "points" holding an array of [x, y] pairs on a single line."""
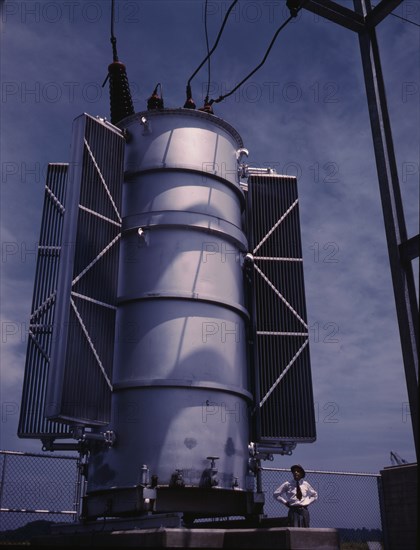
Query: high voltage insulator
{"points": [[119, 92], [207, 108], [189, 103], [155, 101]]}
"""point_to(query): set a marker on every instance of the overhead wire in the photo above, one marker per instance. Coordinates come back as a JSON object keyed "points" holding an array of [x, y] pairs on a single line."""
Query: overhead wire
{"points": [[406, 20], [208, 52], [189, 94], [400, 17], [113, 41], [113, 38], [216, 42], [222, 97], [282, 26]]}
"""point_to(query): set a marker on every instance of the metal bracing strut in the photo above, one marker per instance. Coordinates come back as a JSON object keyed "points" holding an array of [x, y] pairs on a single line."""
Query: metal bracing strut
{"points": [[395, 229], [401, 250]]}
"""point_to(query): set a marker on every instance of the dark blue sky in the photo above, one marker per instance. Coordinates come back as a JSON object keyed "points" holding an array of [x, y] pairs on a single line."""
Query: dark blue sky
{"points": [[304, 113]]}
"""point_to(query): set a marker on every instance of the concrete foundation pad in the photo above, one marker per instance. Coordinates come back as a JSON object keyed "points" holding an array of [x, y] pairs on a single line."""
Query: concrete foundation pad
{"points": [[278, 538]]}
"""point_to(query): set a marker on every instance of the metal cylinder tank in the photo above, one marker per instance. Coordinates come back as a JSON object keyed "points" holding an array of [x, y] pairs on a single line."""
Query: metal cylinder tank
{"points": [[180, 408]]}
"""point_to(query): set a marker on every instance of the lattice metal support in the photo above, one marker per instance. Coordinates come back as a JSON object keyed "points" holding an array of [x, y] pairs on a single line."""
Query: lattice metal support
{"points": [[401, 250], [395, 229]]}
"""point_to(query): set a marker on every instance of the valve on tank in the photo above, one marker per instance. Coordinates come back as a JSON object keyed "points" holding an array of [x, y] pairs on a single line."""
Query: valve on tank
{"points": [[144, 475], [177, 479], [209, 478]]}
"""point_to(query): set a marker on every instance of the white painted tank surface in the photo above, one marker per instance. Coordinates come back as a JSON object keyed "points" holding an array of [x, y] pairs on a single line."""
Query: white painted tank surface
{"points": [[180, 378]]}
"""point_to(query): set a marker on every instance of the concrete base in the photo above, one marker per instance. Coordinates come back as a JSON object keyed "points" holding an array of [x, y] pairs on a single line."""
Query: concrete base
{"points": [[278, 538]]}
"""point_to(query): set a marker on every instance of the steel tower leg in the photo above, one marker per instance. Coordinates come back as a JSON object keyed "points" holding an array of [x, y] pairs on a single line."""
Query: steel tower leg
{"points": [[395, 229]]}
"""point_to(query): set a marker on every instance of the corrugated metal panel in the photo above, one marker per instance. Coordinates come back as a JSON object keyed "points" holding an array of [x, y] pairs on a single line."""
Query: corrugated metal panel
{"points": [[79, 385], [283, 383], [32, 422]]}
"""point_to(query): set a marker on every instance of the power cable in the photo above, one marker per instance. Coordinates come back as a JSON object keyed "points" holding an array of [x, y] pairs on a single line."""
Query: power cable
{"points": [[402, 18], [113, 39], [293, 14], [217, 40], [189, 94], [208, 52]]}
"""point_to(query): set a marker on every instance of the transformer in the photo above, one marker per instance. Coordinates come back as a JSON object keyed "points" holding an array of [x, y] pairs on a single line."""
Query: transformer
{"points": [[171, 342]]}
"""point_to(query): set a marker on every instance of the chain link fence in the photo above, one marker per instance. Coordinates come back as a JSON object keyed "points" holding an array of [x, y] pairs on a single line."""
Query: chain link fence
{"points": [[346, 501], [37, 489]]}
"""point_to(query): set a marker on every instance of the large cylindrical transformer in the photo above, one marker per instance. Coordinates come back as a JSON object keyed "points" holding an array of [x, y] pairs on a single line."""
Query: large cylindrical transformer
{"points": [[181, 396]]}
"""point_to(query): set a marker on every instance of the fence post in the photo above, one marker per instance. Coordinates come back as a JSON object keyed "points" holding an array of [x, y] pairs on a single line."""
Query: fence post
{"points": [[382, 512], [79, 485], [3, 471]]}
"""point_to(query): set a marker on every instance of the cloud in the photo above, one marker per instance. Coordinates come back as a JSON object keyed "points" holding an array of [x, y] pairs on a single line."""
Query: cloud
{"points": [[304, 113]]}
